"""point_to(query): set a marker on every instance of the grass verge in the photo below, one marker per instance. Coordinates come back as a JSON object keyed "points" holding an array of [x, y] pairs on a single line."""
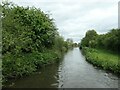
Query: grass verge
{"points": [[103, 58]]}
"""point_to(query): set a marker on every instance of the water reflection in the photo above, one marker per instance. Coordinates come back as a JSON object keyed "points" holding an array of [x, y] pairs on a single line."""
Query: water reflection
{"points": [[71, 72], [77, 73], [46, 78]]}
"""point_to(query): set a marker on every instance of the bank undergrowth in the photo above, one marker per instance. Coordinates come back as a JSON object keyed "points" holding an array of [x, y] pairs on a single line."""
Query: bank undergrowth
{"points": [[30, 40]]}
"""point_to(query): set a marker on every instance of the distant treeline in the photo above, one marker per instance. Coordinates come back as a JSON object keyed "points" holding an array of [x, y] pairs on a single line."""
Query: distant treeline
{"points": [[30, 40], [109, 41]]}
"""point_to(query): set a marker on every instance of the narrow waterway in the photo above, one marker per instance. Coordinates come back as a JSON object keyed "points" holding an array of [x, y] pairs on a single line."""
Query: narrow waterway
{"points": [[71, 72]]}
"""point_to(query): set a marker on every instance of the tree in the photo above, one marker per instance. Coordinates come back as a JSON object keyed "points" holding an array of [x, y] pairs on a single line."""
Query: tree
{"points": [[90, 39], [110, 40], [26, 29]]}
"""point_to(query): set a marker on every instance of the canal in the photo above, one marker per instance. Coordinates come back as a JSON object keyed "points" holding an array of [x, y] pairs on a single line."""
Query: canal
{"points": [[73, 71]]}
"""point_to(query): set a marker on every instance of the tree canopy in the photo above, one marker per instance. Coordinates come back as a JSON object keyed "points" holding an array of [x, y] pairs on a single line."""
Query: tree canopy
{"points": [[110, 40]]}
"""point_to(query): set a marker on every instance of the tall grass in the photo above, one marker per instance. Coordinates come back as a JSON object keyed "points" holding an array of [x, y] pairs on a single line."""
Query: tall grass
{"points": [[103, 58]]}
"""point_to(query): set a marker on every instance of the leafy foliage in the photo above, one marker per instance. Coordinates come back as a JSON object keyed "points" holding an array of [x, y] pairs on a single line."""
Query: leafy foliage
{"points": [[26, 29], [89, 39], [30, 40], [98, 48], [110, 40]]}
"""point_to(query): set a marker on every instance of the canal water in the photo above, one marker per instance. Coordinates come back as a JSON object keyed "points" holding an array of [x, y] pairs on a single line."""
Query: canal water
{"points": [[71, 72]]}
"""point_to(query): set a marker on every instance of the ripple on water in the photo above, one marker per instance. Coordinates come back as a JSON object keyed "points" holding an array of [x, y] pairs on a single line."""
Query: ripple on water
{"points": [[73, 71]]}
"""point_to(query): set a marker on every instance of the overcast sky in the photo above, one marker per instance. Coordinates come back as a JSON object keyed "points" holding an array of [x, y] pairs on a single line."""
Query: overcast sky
{"points": [[74, 17]]}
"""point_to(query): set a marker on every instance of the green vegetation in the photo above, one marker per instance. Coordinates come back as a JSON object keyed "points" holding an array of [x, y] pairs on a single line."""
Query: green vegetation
{"points": [[102, 50], [109, 41], [30, 40], [102, 58]]}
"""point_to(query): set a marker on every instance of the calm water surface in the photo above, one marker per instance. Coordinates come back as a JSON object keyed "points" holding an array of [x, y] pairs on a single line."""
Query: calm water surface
{"points": [[71, 72]]}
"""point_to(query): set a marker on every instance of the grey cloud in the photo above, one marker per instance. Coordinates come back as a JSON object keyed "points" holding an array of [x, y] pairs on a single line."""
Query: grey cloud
{"points": [[74, 17]]}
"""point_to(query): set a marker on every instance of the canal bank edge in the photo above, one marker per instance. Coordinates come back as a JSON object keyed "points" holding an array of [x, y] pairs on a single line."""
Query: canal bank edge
{"points": [[95, 57]]}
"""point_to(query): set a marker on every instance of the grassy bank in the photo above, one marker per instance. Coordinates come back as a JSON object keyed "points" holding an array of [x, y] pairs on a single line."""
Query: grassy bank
{"points": [[103, 58]]}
